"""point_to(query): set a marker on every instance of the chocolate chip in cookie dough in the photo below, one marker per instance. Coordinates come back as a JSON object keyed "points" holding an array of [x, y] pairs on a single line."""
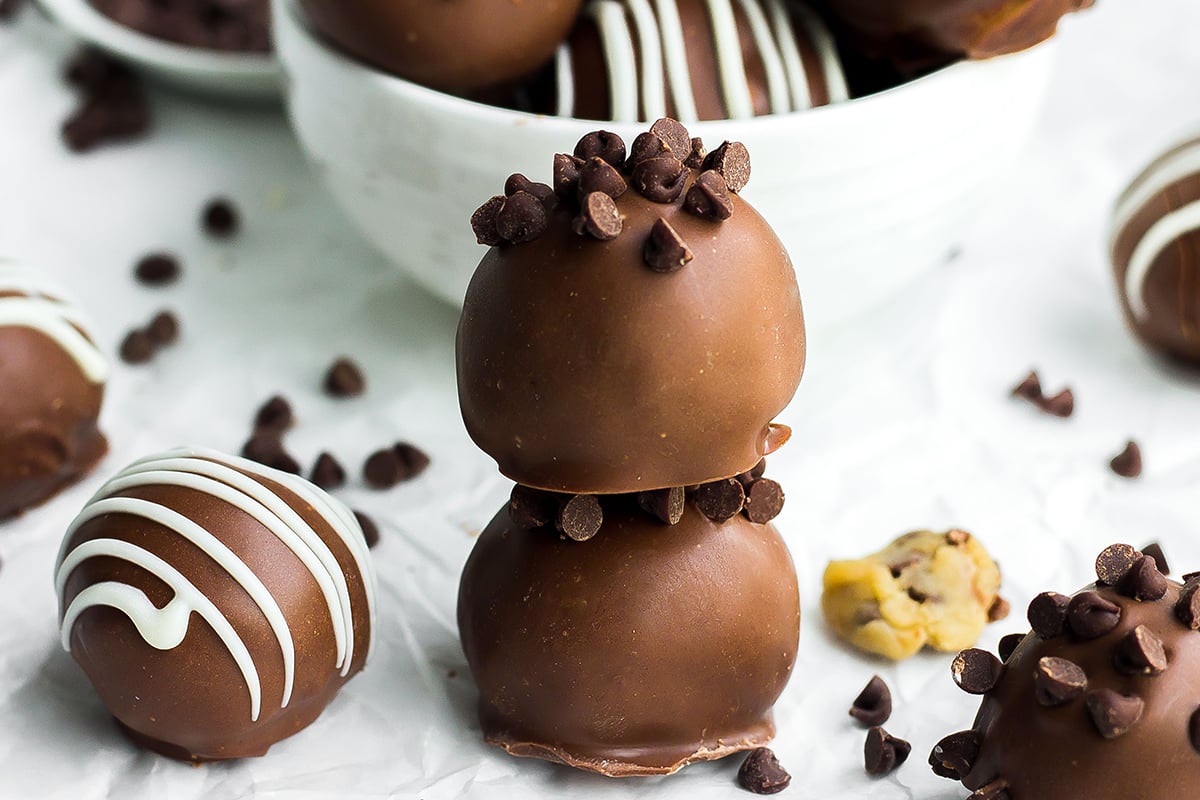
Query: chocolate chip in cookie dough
{"points": [[873, 706], [762, 773], [883, 752]]}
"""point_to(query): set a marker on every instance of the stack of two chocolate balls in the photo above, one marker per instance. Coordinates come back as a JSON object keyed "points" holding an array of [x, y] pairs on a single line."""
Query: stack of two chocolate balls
{"points": [[624, 347]]}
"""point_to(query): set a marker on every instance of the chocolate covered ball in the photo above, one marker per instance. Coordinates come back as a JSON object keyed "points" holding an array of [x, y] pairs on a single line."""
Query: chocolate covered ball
{"points": [[216, 605], [52, 377], [630, 343], [1155, 245], [457, 46], [637, 652], [696, 60], [1099, 701]]}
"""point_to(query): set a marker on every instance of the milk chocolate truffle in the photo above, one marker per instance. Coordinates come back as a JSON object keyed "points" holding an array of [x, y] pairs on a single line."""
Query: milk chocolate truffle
{"points": [[696, 60], [53, 379], [216, 605], [1099, 701], [646, 331], [637, 652], [907, 30], [1155, 247], [456, 46]]}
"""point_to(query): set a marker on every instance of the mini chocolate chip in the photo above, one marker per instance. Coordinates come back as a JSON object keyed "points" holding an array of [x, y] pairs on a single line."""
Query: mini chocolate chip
{"points": [[761, 773], [1141, 652], [954, 756], [1008, 645], [1029, 389], [1143, 581], [157, 269], [666, 504], [1194, 730], [602, 144], [327, 472], [519, 183], [1113, 562], [957, 537], [709, 198], [665, 250], [873, 706], [1090, 616], [732, 160], [660, 179], [580, 517], [598, 217], [645, 146], [344, 378], [674, 135], [1057, 681], [531, 508], [266, 448], [414, 459], [883, 752], [566, 176], [999, 609], [720, 500], [275, 414], [1187, 608], [522, 218], [764, 500], [1048, 614], [695, 159], [385, 468], [370, 530], [1060, 405], [976, 671], [1128, 462], [994, 790], [163, 328], [483, 222], [1112, 713], [220, 219], [137, 347], [597, 175], [1155, 551]]}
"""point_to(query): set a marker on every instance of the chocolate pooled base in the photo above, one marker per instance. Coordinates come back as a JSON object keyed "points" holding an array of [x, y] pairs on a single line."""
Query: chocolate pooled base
{"points": [[646, 649]]}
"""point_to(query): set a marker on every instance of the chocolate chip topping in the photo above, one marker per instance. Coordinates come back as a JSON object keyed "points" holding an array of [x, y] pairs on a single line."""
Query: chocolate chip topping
{"points": [[327, 472], [1008, 645], [666, 504], [266, 448], [1060, 405], [598, 217], [519, 183], [954, 756], [275, 414], [720, 500], [597, 175], [674, 135], [1029, 389], [1187, 608], [764, 500], [1048, 614], [665, 250], [1058, 681], [883, 752], [1155, 551], [1141, 652], [580, 517], [157, 269], [1194, 730], [163, 329], [531, 508], [660, 179], [483, 222], [761, 773], [1090, 616], [1143, 581], [220, 219], [709, 197], [1113, 713], [873, 706], [137, 347], [647, 145], [566, 176], [1128, 462], [370, 530], [976, 671], [695, 159], [344, 378], [732, 161], [602, 144], [1113, 562], [521, 218]]}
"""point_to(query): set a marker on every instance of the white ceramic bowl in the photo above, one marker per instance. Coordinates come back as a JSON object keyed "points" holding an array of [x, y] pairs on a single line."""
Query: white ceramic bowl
{"points": [[246, 76], [865, 194]]}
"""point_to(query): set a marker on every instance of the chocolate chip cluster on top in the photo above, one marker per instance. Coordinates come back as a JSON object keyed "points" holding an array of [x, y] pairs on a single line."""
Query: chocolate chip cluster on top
{"points": [[1098, 701], [624, 347]]}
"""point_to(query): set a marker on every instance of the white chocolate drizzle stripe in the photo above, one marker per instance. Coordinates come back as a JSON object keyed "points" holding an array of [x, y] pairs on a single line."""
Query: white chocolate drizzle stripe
{"points": [[730, 62], [564, 76], [653, 103], [789, 50], [1157, 239], [163, 628], [1158, 179], [777, 82], [621, 59], [57, 321], [679, 75], [826, 46]]}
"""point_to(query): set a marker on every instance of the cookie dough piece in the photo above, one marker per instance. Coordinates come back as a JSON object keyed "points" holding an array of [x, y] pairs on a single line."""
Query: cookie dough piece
{"points": [[925, 588]]}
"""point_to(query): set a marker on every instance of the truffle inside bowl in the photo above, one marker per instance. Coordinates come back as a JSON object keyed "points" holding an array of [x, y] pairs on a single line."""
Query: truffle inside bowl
{"points": [[865, 194]]}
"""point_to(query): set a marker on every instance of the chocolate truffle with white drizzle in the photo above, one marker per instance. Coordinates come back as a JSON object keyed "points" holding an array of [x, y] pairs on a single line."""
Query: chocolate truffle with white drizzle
{"points": [[52, 379], [216, 605]]}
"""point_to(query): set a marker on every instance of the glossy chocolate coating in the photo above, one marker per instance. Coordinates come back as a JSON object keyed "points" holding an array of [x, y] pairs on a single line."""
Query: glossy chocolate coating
{"points": [[1167, 296], [905, 29], [186, 695], [455, 46], [1057, 752], [580, 369], [48, 416], [639, 651]]}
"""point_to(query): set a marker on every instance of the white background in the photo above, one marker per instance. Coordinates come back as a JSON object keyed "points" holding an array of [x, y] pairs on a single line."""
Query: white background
{"points": [[903, 421]]}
